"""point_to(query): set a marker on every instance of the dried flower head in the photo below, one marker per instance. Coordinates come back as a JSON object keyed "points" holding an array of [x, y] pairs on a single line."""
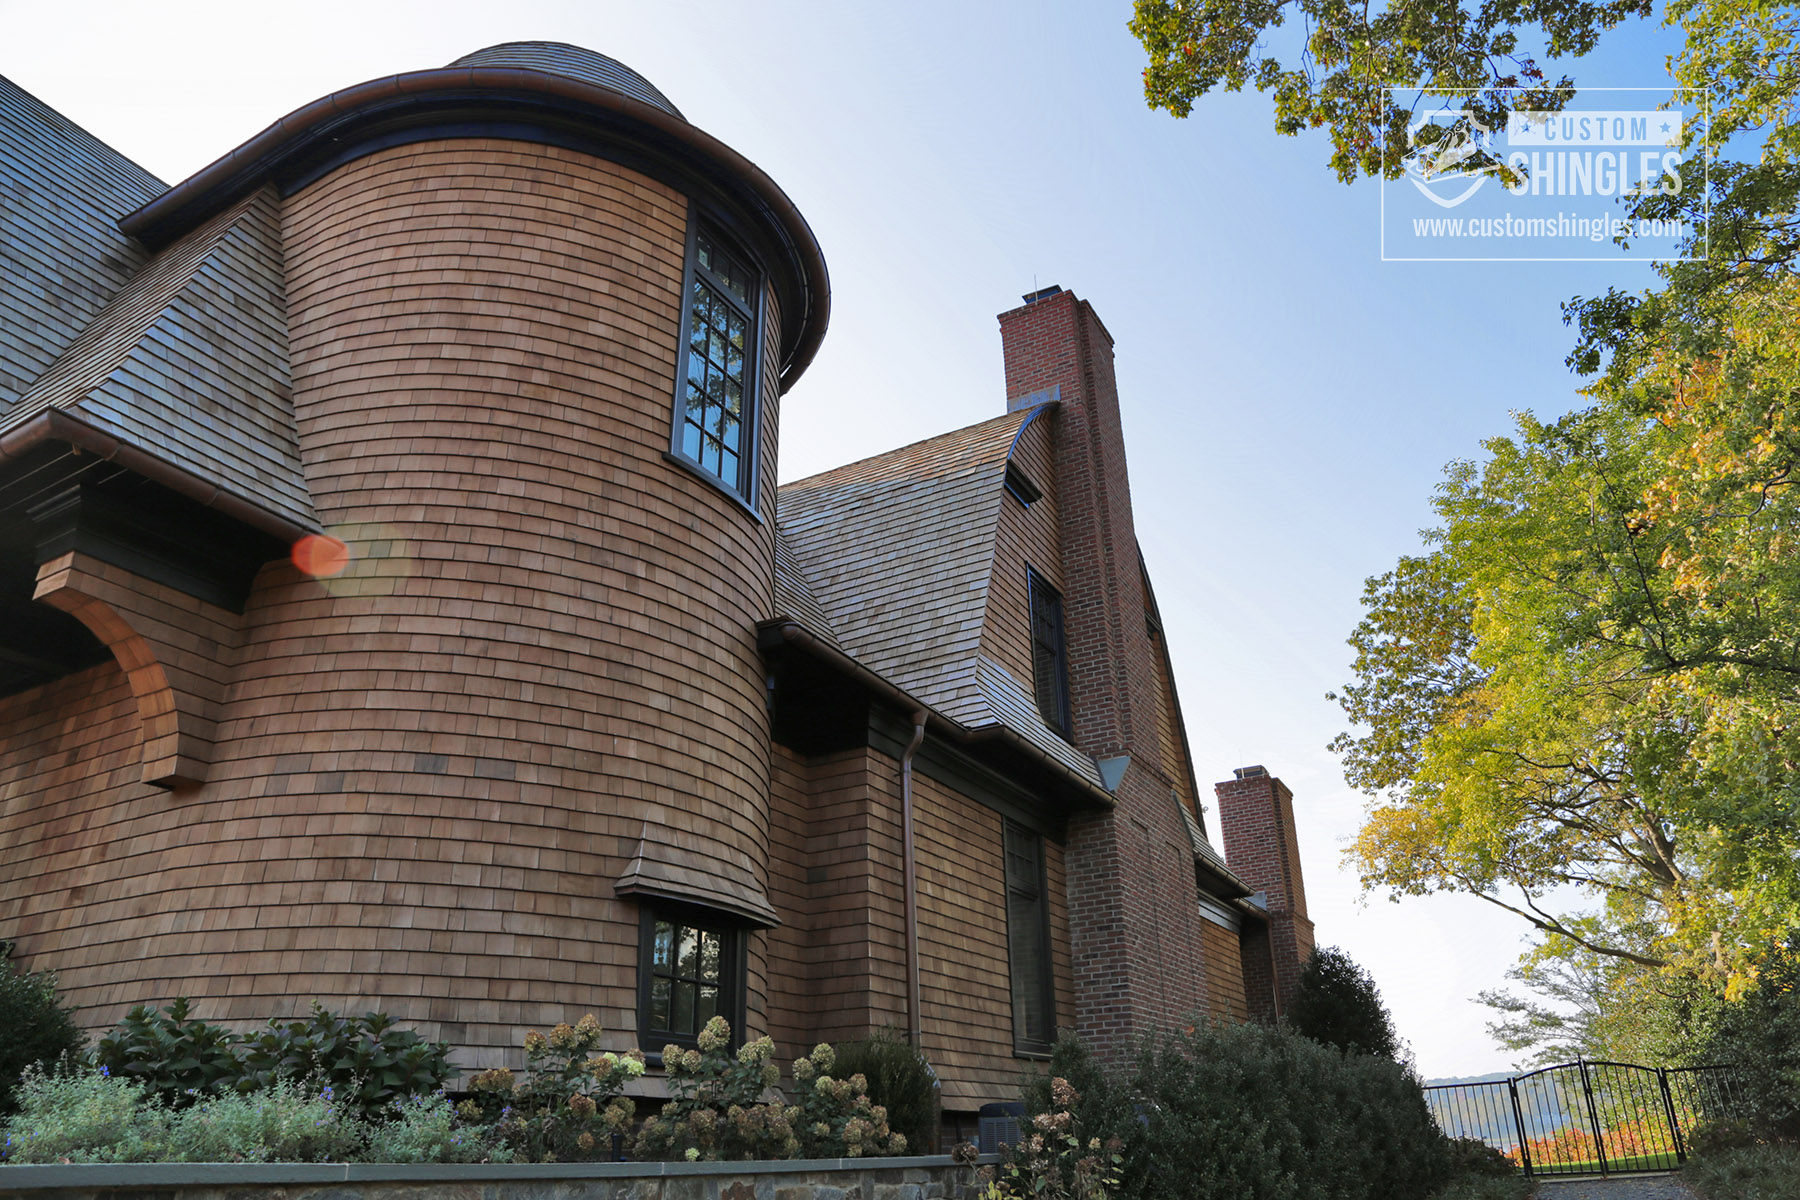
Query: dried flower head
{"points": [[823, 1057], [585, 1141]]}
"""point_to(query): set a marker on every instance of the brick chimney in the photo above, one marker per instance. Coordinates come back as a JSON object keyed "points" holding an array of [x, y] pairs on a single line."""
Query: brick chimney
{"points": [[1256, 819], [1134, 918]]}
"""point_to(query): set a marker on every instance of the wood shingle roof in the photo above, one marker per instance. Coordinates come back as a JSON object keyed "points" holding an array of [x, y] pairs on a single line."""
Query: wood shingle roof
{"points": [[889, 559], [189, 362], [62, 256]]}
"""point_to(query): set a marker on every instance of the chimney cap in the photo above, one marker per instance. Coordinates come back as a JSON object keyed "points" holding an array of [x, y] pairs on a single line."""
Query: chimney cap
{"points": [[1256, 772], [1042, 294]]}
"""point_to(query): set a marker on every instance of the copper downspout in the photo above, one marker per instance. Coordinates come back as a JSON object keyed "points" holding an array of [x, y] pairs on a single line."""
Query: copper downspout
{"points": [[915, 1020]]}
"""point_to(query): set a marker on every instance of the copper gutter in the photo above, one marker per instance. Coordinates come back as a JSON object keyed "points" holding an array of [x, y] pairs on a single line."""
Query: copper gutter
{"points": [[56, 425], [915, 1017], [793, 633], [213, 187]]}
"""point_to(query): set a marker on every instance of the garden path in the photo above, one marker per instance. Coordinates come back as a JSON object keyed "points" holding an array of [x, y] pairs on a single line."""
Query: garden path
{"points": [[1617, 1187]]}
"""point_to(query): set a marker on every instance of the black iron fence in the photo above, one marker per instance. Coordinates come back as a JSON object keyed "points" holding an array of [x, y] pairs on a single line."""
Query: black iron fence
{"points": [[1588, 1118]]}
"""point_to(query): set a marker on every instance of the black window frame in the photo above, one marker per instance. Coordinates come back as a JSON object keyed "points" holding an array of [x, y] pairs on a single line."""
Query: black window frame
{"points": [[732, 961], [742, 489], [1028, 914], [1049, 645]]}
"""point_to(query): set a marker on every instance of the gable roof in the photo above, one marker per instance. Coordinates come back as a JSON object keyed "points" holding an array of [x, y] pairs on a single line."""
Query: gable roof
{"points": [[62, 257], [188, 362], [889, 560]]}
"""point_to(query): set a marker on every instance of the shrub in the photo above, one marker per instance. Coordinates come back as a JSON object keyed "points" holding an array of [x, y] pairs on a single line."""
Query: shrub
{"points": [[1759, 1033], [1752, 1173], [176, 1057], [426, 1129], [1487, 1187], [366, 1061], [1105, 1105], [568, 1106], [837, 1118], [1716, 1137], [34, 1028], [1250, 1110], [717, 1108], [1337, 1003], [1472, 1156], [1055, 1157], [901, 1081], [87, 1117], [280, 1123]]}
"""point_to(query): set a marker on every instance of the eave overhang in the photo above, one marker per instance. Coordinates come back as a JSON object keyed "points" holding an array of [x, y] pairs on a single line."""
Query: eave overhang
{"points": [[523, 105], [785, 632]]}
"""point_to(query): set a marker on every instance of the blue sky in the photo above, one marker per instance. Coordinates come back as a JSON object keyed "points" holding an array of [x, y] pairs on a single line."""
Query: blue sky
{"points": [[1289, 399]]}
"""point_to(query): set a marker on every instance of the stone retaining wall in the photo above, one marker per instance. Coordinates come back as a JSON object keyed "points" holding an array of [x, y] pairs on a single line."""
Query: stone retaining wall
{"points": [[923, 1178]]}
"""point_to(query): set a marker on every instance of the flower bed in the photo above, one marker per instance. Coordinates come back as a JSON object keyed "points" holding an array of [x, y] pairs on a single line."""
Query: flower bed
{"points": [[920, 1178]]}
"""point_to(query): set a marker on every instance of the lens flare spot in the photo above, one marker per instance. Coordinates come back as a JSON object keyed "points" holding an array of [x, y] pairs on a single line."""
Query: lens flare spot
{"points": [[321, 556]]}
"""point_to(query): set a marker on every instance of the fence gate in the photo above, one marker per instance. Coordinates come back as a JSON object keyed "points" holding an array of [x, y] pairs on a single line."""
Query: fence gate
{"points": [[1587, 1118]]}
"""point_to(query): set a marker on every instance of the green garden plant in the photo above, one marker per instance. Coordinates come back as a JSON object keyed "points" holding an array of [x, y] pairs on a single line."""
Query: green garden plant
{"points": [[177, 1057], [568, 1106], [280, 1123], [725, 1106], [34, 1026], [1250, 1110], [1758, 1033], [89, 1116], [1056, 1158], [427, 1129], [901, 1081], [365, 1061]]}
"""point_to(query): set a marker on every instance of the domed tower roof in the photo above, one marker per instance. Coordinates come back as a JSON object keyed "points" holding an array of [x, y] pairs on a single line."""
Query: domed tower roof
{"points": [[546, 92], [572, 62]]}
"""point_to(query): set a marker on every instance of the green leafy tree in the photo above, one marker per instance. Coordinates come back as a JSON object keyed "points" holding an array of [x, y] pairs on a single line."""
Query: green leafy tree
{"points": [[1337, 1003], [1587, 683], [1582, 1004]]}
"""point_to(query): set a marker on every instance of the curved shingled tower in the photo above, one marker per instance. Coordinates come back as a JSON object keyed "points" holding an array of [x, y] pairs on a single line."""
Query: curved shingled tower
{"points": [[450, 778]]}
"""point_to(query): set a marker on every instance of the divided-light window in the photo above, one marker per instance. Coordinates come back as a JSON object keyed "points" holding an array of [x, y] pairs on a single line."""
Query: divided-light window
{"points": [[1028, 942], [689, 971], [1049, 655], [715, 409]]}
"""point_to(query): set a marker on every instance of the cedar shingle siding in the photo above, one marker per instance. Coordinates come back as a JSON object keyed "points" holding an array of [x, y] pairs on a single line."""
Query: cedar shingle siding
{"points": [[563, 678]]}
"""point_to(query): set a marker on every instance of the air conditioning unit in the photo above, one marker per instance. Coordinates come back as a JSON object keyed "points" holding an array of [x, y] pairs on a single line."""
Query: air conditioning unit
{"points": [[1000, 1124]]}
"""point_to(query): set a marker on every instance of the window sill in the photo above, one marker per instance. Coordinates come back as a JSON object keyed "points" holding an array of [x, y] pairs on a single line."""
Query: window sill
{"points": [[714, 482], [1035, 1055]]}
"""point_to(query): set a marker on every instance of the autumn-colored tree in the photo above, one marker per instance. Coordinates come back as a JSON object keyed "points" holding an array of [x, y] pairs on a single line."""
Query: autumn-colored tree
{"points": [[1593, 679], [1581, 701]]}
